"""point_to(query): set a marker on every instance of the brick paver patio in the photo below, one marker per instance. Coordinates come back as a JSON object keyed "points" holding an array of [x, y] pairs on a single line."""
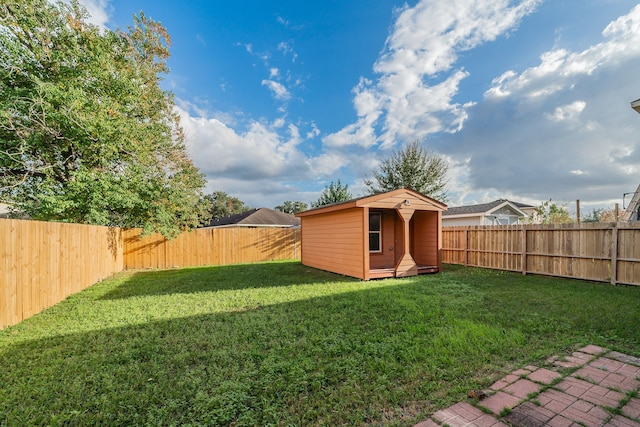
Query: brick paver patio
{"points": [[590, 387]]}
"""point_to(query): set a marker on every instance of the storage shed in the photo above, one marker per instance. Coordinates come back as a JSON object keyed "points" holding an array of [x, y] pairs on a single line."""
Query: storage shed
{"points": [[392, 234]]}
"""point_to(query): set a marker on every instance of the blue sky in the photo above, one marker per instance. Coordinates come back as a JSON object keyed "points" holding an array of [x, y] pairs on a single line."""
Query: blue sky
{"points": [[526, 100]]}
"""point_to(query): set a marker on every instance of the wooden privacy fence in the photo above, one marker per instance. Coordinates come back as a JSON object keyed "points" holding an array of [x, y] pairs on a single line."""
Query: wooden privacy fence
{"points": [[210, 246], [42, 263], [600, 252]]}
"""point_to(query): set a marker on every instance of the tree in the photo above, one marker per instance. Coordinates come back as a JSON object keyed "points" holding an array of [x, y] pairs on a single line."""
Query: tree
{"points": [[413, 167], [223, 205], [333, 193], [86, 133], [291, 207], [550, 213], [600, 215]]}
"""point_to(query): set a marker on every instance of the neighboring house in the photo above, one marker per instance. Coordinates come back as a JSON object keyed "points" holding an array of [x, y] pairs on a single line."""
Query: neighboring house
{"points": [[392, 234], [498, 212], [632, 212], [262, 217], [4, 210]]}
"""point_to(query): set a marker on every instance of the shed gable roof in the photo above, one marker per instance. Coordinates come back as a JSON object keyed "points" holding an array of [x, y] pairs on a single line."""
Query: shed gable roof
{"points": [[378, 200]]}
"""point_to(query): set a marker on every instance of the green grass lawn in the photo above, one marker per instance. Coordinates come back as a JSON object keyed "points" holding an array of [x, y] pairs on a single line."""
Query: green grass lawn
{"points": [[283, 344]]}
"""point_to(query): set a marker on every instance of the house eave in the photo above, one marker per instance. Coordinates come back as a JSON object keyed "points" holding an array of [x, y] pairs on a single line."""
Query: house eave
{"points": [[636, 105], [506, 203]]}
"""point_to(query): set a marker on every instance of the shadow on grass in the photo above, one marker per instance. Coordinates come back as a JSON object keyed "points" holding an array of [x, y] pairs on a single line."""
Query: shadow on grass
{"points": [[389, 354], [217, 278]]}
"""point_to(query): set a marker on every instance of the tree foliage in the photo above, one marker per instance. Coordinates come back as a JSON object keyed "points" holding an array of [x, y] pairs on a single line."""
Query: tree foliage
{"points": [[413, 167], [333, 193], [292, 207], [551, 213], [221, 205], [600, 215], [86, 133]]}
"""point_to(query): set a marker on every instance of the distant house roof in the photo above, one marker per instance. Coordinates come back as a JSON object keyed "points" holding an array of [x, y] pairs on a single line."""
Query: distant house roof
{"points": [[484, 208], [636, 105], [262, 217]]}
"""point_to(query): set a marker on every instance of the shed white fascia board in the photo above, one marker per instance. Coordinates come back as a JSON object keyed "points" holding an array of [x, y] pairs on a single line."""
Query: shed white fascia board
{"points": [[500, 206], [636, 105]]}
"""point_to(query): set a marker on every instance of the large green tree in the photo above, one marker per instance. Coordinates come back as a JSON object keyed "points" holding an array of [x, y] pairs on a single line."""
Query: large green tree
{"points": [[414, 167], [222, 204], [333, 193], [86, 133], [291, 207]]}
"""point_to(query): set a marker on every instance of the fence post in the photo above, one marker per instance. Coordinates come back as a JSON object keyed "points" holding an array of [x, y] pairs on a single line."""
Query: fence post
{"points": [[523, 242], [466, 246], [614, 254]]}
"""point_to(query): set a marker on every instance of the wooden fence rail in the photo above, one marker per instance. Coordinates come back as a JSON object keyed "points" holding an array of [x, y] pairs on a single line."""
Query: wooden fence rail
{"points": [[600, 252]]}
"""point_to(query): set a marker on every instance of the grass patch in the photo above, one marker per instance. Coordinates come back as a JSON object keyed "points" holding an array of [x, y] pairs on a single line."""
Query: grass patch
{"points": [[283, 344]]}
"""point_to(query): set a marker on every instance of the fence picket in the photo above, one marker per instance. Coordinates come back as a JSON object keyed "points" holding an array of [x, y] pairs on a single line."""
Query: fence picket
{"points": [[600, 252]]}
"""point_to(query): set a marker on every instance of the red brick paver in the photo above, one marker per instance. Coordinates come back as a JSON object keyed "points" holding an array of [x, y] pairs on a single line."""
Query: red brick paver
{"points": [[555, 400], [522, 388], [529, 414], [592, 349], [544, 376], [632, 409], [619, 421], [463, 414], [592, 393], [586, 413], [499, 401], [509, 379], [587, 397]]}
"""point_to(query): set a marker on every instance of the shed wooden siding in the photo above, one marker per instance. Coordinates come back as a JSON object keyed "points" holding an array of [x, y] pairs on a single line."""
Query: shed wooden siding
{"points": [[334, 242]]}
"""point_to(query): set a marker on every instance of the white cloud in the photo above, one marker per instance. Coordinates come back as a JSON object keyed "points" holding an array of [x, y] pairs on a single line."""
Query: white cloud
{"points": [[567, 112], [99, 11], [560, 129], [254, 163], [559, 68], [413, 97], [273, 72], [278, 90]]}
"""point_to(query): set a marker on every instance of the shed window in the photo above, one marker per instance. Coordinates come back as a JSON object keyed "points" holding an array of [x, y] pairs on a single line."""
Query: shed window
{"points": [[375, 232]]}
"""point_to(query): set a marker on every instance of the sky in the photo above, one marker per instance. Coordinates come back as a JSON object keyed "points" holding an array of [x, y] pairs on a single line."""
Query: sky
{"points": [[525, 100]]}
